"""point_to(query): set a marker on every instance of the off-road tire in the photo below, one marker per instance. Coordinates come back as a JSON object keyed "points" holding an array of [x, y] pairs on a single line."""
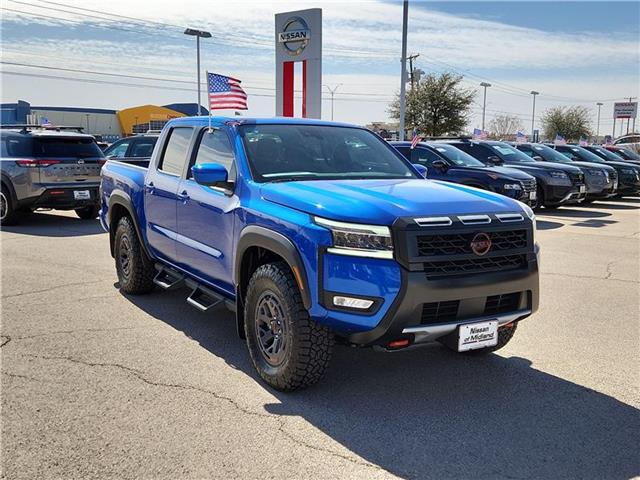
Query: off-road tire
{"points": [[505, 334], [136, 274], [307, 345], [88, 213], [11, 215]]}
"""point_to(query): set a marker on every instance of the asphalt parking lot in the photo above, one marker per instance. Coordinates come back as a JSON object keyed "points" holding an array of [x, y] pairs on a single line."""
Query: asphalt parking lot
{"points": [[96, 384]]}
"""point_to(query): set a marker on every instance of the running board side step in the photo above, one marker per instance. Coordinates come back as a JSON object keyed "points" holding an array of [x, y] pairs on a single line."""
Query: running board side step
{"points": [[203, 298], [168, 279]]}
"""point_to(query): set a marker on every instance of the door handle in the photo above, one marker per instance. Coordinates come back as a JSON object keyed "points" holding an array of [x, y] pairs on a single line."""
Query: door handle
{"points": [[150, 188], [183, 196]]}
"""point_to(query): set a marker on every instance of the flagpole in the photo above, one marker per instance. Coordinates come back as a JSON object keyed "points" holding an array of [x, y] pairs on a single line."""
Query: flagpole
{"points": [[207, 72]]}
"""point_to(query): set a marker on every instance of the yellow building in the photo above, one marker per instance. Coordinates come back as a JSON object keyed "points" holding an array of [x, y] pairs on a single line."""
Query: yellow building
{"points": [[145, 117]]}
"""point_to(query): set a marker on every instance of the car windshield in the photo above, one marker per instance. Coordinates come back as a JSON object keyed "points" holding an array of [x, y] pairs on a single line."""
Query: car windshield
{"points": [[50, 147], [457, 156], [586, 155], [609, 155], [628, 154], [509, 154], [550, 154], [287, 152]]}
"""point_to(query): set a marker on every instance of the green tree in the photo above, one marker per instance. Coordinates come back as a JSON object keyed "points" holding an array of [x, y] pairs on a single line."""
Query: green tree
{"points": [[570, 122], [437, 105]]}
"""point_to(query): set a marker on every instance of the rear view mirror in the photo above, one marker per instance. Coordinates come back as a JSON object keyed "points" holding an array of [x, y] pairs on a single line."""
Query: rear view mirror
{"points": [[209, 174], [422, 170]]}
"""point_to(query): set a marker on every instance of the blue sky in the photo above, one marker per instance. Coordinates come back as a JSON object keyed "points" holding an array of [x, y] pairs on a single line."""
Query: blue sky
{"points": [[572, 52]]}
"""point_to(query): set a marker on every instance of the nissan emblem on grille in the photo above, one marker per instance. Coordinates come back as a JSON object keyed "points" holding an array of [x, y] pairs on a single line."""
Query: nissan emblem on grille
{"points": [[481, 244]]}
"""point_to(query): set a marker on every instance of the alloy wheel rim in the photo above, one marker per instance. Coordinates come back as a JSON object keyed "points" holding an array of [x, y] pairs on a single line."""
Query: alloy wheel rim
{"points": [[124, 256], [271, 330], [4, 207]]}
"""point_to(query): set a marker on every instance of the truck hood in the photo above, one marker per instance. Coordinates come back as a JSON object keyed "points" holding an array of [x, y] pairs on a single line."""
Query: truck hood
{"points": [[546, 166], [380, 202], [504, 172]]}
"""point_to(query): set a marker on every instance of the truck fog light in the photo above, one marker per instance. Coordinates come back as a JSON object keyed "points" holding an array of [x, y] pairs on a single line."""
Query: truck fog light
{"points": [[350, 302]]}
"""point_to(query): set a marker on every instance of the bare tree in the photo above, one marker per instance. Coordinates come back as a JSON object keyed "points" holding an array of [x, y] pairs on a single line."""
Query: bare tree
{"points": [[505, 125]]}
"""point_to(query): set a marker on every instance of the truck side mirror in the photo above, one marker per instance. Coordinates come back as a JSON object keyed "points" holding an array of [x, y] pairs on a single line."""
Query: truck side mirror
{"points": [[422, 170], [209, 174], [494, 160], [538, 158], [440, 165]]}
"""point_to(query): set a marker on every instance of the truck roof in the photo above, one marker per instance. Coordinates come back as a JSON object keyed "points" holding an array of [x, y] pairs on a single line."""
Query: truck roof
{"points": [[204, 120]]}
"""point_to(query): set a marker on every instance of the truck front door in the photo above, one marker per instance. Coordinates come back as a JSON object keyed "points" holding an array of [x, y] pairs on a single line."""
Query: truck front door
{"points": [[206, 214], [161, 193]]}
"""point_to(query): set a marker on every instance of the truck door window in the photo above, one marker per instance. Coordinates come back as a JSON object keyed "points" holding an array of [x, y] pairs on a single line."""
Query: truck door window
{"points": [[175, 152], [215, 148]]}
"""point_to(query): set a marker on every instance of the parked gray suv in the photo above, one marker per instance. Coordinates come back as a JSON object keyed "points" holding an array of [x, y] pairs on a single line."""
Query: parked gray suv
{"points": [[48, 168]]}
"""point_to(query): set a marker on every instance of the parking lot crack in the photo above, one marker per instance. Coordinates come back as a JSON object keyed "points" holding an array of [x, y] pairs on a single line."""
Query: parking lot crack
{"points": [[55, 287], [590, 277], [6, 339], [281, 421], [69, 332]]}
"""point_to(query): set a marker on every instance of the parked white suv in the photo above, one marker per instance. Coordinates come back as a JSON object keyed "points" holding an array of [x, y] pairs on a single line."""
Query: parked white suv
{"points": [[630, 141]]}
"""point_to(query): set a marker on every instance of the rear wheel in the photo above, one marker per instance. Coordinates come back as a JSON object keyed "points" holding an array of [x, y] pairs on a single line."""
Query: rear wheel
{"points": [[88, 213], [288, 349], [135, 270], [8, 213]]}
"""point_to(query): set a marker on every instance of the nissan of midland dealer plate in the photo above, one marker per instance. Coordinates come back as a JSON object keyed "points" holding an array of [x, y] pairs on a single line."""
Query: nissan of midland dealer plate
{"points": [[82, 195], [478, 335]]}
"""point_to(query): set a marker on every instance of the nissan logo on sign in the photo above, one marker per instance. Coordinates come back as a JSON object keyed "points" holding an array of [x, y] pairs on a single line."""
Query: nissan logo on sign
{"points": [[295, 36], [481, 244]]}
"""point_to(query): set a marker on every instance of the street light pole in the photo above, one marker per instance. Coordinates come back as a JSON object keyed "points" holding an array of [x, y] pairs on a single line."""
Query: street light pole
{"points": [[198, 34], [599, 104], [484, 101], [332, 91], [403, 68], [533, 114]]}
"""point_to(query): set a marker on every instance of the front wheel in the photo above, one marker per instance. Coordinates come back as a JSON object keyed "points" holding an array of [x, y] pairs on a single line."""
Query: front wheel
{"points": [[135, 271], [8, 213], [288, 349], [88, 213]]}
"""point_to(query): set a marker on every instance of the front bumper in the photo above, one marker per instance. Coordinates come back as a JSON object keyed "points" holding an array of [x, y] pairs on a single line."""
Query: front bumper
{"points": [[405, 318]]}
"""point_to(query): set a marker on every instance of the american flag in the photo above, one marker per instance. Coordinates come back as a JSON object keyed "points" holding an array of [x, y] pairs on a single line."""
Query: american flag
{"points": [[45, 122], [415, 139], [560, 140], [481, 134], [225, 92], [583, 141], [520, 137]]}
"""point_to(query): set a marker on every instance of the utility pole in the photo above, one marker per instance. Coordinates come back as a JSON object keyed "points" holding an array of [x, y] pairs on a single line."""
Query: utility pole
{"points": [[411, 58], [599, 104], [198, 34], [629, 119], [403, 69], [533, 114], [332, 91], [484, 102]]}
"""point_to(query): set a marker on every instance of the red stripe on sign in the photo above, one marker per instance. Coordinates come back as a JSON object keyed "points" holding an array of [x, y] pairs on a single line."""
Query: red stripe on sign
{"points": [[304, 89], [287, 89]]}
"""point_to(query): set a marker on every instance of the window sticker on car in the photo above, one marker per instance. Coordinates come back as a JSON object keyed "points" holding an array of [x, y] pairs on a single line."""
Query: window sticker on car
{"points": [[503, 150], [440, 149], [575, 149], [538, 148]]}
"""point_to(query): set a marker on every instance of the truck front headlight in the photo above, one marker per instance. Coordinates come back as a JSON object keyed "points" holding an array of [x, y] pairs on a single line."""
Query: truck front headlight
{"points": [[357, 239], [530, 214]]}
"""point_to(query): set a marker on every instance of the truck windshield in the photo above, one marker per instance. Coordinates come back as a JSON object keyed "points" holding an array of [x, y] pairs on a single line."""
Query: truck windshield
{"points": [[550, 154], [287, 152], [457, 156], [585, 154]]}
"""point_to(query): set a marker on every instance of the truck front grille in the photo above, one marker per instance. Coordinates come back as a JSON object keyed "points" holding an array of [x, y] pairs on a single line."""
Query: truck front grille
{"points": [[457, 244], [504, 303], [577, 178], [439, 312], [529, 185], [475, 265]]}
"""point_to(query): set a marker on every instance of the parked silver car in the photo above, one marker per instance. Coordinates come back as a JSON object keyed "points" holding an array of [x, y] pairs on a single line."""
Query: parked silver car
{"points": [[48, 168], [630, 141]]}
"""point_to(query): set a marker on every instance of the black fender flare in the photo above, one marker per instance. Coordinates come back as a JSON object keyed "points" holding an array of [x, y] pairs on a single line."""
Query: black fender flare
{"points": [[122, 198], [255, 236]]}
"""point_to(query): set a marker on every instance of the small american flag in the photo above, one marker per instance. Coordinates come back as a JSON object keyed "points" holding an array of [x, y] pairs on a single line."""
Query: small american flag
{"points": [[45, 122], [481, 134], [560, 140], [415, 139], [225, 92], [520, 137], [583, 141]]}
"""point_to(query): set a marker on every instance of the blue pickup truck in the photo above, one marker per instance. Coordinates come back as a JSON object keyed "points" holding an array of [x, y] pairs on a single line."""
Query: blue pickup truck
{"points": [[315, 232]]}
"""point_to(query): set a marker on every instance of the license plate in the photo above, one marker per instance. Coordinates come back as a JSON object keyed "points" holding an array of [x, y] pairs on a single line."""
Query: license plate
{"points": [[477, 335], [583, 188], [82, 194], [532, 195]]}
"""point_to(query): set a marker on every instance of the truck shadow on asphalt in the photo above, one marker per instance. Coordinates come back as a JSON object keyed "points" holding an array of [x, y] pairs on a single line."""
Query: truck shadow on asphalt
{"points": [[49, 224], [432, 413]]}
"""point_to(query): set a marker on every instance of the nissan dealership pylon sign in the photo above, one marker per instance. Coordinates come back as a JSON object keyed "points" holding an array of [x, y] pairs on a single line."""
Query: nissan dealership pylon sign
{"points": [[625, 110], [299, 39]]}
